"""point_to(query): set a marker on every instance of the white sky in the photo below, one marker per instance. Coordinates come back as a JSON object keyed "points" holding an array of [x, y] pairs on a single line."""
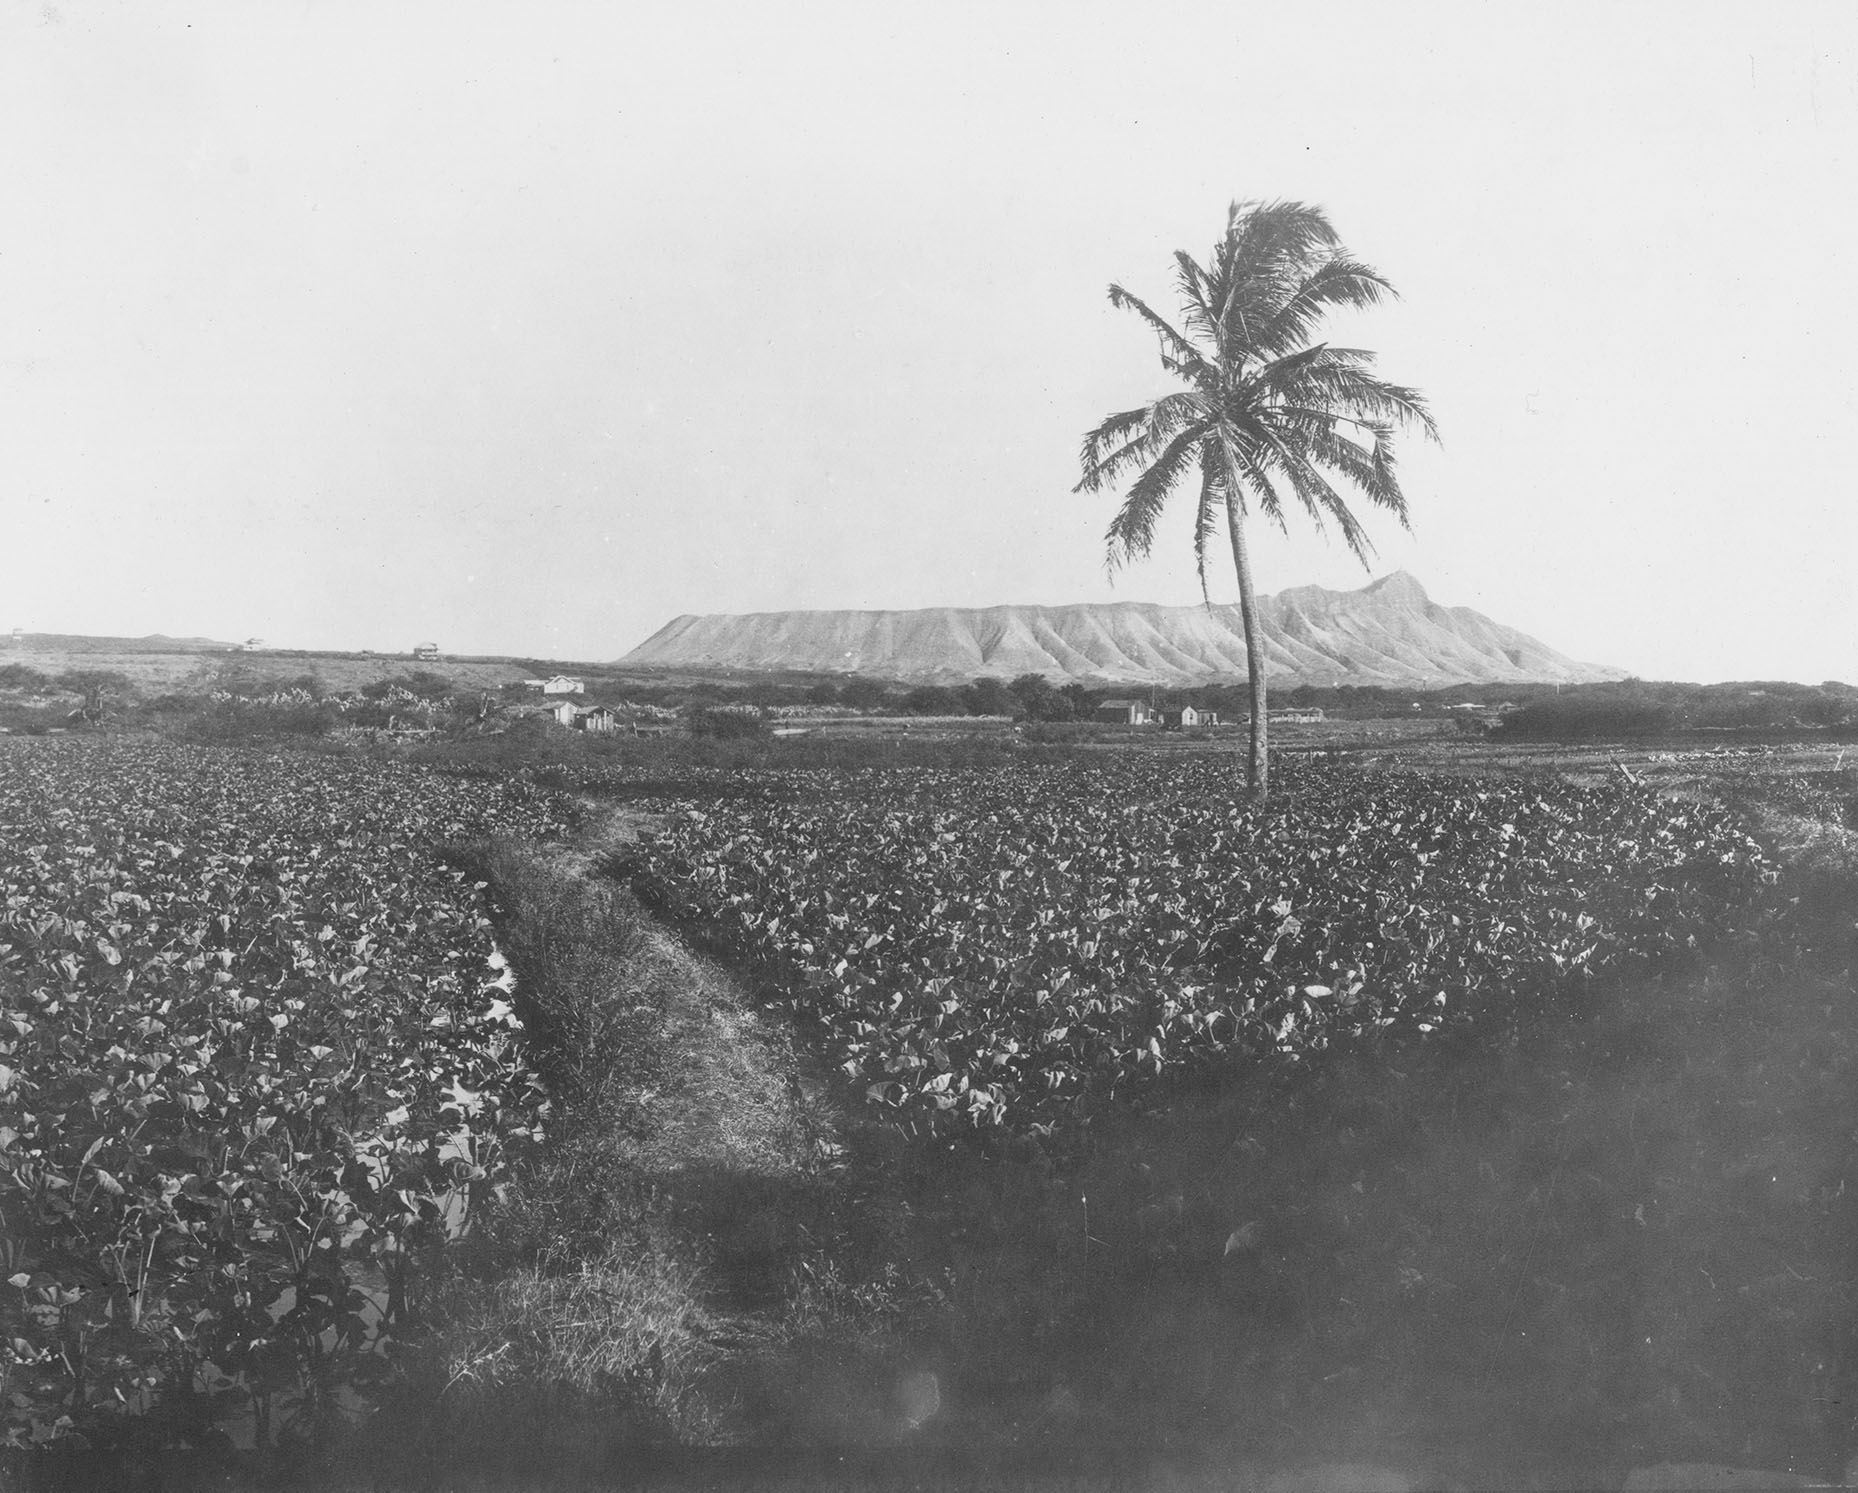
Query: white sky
{"points": [[525, 327]]}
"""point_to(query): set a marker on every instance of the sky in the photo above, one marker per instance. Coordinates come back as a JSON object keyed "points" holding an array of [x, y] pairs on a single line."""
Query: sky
{"points": [[524, 328]]}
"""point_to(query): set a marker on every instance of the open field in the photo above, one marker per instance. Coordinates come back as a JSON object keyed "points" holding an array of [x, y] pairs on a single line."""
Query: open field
{"points": [[157, 671], [160, 664], [1481, 1112]]}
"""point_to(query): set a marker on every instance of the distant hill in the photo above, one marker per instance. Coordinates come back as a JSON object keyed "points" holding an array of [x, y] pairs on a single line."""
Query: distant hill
{"points": [[155, 642], [1389, 632]]}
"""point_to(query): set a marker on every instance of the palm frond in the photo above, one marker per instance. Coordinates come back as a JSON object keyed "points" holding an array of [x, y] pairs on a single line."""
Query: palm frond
{"points": [[1339, 382], [1175, 345], [1201, 374], [1318, 496], [1130, 437], [1269, 251], [1370, 469], [1104, 465], [1195, 286], [1337, 281], [1132, 531]]}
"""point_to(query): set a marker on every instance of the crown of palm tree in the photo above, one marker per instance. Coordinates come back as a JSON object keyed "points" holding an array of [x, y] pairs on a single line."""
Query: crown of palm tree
{"points": [[1266, 414]]}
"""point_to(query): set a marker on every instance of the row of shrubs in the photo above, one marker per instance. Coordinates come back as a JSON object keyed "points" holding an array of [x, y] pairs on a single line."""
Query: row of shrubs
{"points": [[1633, 709]]}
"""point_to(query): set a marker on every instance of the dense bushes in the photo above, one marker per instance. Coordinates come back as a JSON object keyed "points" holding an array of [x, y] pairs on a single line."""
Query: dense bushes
{"points": [[1633, 709], [724, 725]]}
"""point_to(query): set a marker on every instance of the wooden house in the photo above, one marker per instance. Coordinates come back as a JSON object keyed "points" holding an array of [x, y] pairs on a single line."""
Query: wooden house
{"points": [[1126, 712]]}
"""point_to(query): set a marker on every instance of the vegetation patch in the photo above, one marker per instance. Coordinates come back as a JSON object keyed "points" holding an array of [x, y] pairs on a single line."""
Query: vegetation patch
{"points": [[1007, 949], [256, 1074]]}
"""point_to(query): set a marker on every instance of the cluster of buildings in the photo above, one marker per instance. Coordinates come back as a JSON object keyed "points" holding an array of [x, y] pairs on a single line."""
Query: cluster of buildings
{"points": [[565, 712], [1175, 718], [583, 718], [560, 690]]}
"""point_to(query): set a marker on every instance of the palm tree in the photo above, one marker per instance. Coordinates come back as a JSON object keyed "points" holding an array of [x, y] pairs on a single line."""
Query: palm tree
{"points": [[1266, 414]]}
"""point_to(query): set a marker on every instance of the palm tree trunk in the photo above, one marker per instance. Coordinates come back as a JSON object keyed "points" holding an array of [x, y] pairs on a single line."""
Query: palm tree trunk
{"points": [[1258, 772]]}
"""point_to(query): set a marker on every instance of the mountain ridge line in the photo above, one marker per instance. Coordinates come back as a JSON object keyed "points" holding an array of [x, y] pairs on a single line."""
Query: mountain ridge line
{"points": [[1387, 632]]}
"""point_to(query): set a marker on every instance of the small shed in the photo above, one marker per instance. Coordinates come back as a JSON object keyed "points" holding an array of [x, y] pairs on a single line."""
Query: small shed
{"points": [[1126, 712], [597, 719], [564, 712], [426, 650]]}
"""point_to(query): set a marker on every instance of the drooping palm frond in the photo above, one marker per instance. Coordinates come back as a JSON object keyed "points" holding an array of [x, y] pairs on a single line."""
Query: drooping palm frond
{"points": [[1132, 437], [1174, 345], [1132, 531], [1369, 469], [1314, 491]]}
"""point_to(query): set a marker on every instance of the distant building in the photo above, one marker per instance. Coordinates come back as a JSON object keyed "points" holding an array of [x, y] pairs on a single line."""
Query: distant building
{"points": [[19, 636], [597, 719], [564, 711], [1303, 715], [1188, 715], [252, 645], [560, 684], [426, 651], [1126, 712]]}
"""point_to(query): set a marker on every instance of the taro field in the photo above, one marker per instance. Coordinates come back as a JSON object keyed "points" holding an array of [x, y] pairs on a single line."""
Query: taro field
{"points": [[1008, 948], [256, 1065], [259, 1066]]}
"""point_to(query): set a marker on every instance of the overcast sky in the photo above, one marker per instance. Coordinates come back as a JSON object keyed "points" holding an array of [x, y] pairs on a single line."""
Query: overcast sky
{"points": [[523, 328]]}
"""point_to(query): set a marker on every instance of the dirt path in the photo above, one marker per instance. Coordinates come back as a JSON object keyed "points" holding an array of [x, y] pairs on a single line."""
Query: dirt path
{"points": [[727, 1098]]}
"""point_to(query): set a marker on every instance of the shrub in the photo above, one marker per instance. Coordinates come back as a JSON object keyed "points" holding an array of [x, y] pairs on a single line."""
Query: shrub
{"points": [[1586, 718], [724, 725], [20, 676]]}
